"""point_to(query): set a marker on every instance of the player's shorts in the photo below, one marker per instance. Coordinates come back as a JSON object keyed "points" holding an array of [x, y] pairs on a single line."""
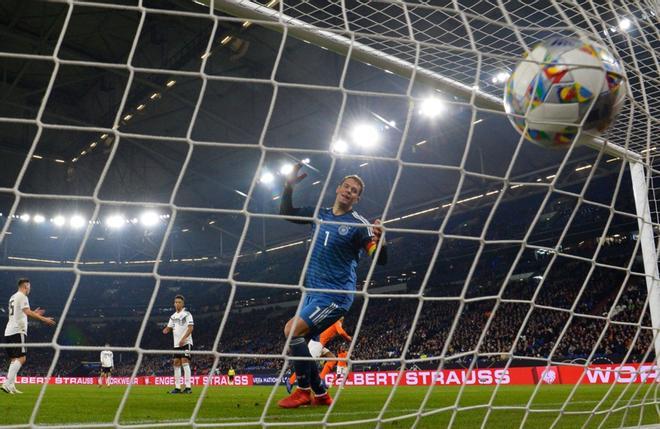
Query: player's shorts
{"points": [[342, 371], [106, 370], [316, 349], [187, 348], [20, 350], [320, 314]]}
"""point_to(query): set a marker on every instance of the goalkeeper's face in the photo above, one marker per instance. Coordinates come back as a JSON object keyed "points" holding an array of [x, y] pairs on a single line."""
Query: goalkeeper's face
{"points": [[348, 193]]}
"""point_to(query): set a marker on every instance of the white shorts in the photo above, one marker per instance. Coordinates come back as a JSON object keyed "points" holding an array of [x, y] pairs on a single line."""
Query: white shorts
{"points": [[316, 349], [342, 370]]}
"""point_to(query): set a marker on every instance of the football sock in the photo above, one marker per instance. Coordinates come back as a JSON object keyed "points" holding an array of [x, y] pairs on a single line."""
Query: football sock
{"points": [[13, 371], [177, 377], [186, 375], [299, 348]]}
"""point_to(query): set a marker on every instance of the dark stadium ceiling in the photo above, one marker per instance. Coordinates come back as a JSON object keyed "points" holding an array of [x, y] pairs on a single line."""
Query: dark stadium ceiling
{"points": [[304, 116]]}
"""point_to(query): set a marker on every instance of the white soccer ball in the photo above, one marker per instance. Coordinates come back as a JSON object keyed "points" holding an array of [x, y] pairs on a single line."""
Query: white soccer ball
{"points": [[560, 83]]}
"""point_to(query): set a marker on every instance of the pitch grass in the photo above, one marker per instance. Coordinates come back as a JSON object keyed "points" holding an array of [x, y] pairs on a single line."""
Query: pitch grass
{"points": [[148, 405]]}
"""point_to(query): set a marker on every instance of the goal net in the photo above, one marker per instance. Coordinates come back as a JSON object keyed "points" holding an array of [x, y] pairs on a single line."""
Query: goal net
{"points": [[146, 144]]}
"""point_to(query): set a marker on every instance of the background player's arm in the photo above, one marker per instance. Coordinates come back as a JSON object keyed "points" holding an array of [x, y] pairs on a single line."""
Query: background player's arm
{"points": [[286, 202], [343, 333], [169, 327], [39, 315]]}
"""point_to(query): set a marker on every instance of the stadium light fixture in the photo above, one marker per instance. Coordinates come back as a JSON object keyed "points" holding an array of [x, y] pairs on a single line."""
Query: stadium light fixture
{"points": [[365, 135], [38, 218], [25, 217], [59, 220], [339, 146], [115, 221], [432, 107], [500, 77], [306, 161], [625, 24], [267, 177], [77, 222], [149, 218], [286, 169]]}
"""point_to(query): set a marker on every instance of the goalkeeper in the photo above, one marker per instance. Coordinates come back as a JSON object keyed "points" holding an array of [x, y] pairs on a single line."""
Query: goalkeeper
{"points": [[335, 256]]}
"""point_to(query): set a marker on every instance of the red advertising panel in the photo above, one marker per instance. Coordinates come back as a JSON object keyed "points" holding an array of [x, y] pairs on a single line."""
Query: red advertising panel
{"points": [[547, 375], [594, 374], [449, 377], [609, 374]]}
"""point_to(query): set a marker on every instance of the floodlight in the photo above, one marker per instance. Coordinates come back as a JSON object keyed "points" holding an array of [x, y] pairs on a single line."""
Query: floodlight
{"points": [[77, 221], [25, 217], [365, 135], [267, 177], [115, 221], [339, 146], [625, 24], [38, 218], [286, 169], [432, 107], [149, 218], [59, 220]]}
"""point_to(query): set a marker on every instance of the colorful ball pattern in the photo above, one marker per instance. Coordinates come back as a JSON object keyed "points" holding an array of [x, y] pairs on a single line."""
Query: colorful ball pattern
{"points": [[561, 81]]}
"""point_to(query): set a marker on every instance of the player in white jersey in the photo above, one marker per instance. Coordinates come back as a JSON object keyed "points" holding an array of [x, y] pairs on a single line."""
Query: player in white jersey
{"points": [[16, 331], [107, 363], [181, 325]]}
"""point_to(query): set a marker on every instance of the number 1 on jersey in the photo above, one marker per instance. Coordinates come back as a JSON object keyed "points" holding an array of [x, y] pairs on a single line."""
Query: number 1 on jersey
{"points": [[327, 235]]}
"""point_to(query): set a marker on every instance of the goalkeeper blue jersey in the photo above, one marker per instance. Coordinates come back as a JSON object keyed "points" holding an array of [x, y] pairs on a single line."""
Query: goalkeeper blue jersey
{"points": [[335, 254]]}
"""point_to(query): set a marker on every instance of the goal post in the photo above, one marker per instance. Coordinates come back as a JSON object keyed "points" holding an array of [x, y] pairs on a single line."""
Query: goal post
{"points": [[648, 246]]}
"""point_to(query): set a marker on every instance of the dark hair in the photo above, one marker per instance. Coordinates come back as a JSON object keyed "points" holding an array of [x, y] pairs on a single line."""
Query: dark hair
{"points": [[180, 297], [22, 281]]}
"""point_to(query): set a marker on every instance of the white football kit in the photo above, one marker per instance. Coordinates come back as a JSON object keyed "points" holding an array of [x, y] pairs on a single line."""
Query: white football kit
{"points": [[179, 323], [18, 320]]}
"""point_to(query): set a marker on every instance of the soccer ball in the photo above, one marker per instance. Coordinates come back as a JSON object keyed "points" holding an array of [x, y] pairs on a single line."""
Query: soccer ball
{"points": [[561, 81]]}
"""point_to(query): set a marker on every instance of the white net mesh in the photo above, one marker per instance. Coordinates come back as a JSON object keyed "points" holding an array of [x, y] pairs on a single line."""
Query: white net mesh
{"points": [[509, 255]]}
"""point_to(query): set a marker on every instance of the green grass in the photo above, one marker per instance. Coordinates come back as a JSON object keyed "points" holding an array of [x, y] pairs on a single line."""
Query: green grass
{"points": [[151, 404]]}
